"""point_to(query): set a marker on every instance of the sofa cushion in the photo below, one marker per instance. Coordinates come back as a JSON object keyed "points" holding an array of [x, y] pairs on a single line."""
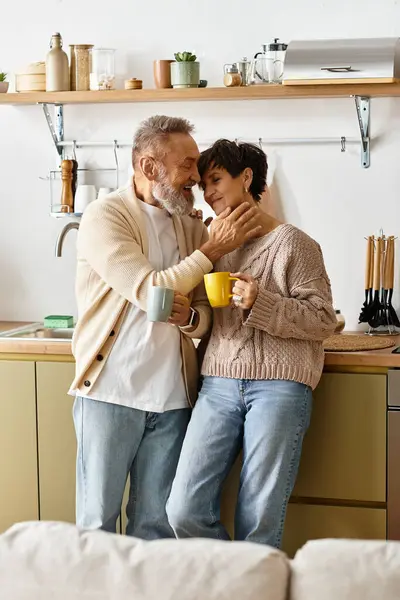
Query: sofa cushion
{"points": [[346, 570], [57, 561]]}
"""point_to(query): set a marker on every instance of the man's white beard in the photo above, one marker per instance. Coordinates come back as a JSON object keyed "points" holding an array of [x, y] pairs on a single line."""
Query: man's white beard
{"points": [[169, 198]]}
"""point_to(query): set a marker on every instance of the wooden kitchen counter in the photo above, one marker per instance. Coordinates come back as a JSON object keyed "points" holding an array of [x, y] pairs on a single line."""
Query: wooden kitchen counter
{"points": [[372, 358]]}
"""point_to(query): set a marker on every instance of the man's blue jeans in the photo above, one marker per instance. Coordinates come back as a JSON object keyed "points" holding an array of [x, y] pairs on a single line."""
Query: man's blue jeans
{"points": [[115, 442]]}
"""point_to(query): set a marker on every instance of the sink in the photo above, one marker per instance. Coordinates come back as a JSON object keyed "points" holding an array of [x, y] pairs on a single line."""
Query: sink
{"points": [[36, 331]]}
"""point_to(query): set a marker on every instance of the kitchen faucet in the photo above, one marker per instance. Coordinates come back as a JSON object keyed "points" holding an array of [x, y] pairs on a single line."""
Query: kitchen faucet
{"points": [[63, 233]]}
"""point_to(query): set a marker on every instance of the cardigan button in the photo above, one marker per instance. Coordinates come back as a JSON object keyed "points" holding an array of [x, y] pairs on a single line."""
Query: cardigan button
{"points": [[100, 357], [112, 333], [87, 383]]}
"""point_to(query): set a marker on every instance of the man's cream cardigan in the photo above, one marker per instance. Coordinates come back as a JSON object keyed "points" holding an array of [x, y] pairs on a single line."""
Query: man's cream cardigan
{"points": [[113, 271]]}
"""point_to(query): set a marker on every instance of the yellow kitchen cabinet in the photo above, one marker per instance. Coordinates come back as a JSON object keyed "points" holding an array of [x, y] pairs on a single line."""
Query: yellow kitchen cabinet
{"points": [[56, 441], [309, 522], [344, 451], [18, 455], [343, 459]]}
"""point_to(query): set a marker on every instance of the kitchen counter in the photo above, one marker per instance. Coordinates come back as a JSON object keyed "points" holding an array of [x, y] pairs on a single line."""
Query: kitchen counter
{"points": [[372, 358], [34, 346]]}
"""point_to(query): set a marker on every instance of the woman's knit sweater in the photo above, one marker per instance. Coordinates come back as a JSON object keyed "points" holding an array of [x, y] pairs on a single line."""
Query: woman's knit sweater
{"points": [[281, 336]]}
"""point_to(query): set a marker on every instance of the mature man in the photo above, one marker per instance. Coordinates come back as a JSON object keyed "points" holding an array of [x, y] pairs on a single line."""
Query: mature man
{"points": [[135, 380]]}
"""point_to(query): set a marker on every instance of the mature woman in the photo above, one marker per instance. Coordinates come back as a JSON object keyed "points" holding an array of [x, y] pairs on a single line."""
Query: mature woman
{"points": [[262, 362]]}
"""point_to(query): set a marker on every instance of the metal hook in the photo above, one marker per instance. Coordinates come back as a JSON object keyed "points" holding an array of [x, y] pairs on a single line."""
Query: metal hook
{"points": [[74, 150], [116, 160], [260, 143], [343, 144]]}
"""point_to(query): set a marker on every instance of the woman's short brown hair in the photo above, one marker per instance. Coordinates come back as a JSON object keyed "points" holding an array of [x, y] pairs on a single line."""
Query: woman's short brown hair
{"points": [[235, 158]]}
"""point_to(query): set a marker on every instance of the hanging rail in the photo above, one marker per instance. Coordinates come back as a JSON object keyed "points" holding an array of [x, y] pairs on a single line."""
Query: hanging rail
{"points": [[362, 105], [340, 141]]}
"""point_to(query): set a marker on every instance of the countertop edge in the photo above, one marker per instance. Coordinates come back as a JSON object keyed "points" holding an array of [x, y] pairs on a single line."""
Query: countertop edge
{"points": [[372, 358]]}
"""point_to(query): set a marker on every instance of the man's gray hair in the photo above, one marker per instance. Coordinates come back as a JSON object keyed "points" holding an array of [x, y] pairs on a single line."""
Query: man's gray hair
{"points": [[153, 131]]}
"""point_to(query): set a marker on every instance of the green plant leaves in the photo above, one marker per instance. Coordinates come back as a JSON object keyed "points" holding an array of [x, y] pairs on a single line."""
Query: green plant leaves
{"points": [[185, 57]]}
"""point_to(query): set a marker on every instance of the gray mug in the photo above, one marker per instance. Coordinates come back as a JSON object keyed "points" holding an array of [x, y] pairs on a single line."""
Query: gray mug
{"points": [[159, 304]]}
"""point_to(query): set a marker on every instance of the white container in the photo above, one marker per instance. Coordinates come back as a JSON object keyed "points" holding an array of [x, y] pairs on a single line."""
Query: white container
{"points": [[366, 60], [102, 76], [84, 195]]}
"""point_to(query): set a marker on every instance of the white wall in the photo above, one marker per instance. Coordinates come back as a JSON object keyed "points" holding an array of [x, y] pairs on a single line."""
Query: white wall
{"points": [[318, 189]]}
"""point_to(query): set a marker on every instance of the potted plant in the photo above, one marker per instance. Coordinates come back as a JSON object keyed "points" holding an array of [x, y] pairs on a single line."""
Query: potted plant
{"points": [[185, 71], [3, 83]]}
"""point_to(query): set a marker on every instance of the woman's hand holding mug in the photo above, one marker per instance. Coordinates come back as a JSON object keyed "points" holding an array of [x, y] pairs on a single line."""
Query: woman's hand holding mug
{"points": [[244, 291]]}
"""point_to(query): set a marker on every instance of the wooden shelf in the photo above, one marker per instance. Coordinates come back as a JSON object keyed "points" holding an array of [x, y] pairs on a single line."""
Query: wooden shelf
{"points": [[257, 92]]}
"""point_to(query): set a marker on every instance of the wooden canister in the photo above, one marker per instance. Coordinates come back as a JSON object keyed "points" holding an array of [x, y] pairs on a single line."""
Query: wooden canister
{"points": [[133, 84]]}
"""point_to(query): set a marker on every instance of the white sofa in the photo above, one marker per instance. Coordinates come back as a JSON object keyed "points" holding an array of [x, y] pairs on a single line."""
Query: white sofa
{"points": [[56, 561]]}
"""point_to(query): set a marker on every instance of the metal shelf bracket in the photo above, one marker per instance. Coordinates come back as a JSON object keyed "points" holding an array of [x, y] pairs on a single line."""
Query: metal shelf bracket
{"points": [[362, 103], [57, 127], [363, 116]]}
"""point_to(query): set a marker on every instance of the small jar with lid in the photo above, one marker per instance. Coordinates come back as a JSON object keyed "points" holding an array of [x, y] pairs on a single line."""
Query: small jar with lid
{"points": [[232, 77]]}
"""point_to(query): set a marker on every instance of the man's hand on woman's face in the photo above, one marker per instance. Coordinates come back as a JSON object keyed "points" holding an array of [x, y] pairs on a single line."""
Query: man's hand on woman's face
{"points": [[233, 228]]}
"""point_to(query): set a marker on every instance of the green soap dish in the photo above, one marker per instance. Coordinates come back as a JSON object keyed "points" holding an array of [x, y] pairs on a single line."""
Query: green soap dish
{"points": [[58, 322]]}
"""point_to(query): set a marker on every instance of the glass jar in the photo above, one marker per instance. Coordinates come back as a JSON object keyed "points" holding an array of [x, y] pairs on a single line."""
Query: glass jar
{"points": [[80, 67], [102, 76], [244, 68], [232, 77]]}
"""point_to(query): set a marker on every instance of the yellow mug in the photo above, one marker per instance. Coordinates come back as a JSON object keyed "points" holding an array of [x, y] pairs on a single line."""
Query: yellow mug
{"points": [[218, 288]]}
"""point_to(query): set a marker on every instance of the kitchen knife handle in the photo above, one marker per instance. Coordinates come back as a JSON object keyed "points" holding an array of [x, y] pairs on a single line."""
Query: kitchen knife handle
{"points": [[371, 268], [377, 264], [368, 264], [386, 263], [391, 264]]}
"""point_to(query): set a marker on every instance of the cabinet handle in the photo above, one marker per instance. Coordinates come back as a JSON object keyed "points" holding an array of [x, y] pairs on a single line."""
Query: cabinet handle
{"points": [[339, 69]]}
